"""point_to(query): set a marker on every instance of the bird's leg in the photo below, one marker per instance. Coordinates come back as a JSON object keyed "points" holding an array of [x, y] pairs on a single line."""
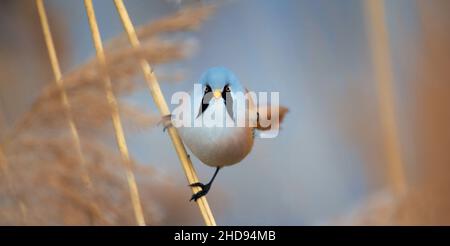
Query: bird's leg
{"points": [[166, 121], [205, 187]]}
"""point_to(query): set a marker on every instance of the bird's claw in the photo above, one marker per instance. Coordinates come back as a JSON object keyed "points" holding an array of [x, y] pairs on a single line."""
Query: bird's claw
{"points": [[198, 184], [204, 191], [166, 121], [197, 195]]}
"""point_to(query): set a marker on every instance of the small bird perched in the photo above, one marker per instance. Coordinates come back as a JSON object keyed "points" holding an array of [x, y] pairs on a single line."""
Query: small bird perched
{"points": [[219, 140]]}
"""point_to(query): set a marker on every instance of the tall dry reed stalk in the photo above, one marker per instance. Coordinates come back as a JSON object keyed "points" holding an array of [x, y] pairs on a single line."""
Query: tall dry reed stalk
{"points": [[382, 67], [60, 85], [379, 208], [114, 109]]}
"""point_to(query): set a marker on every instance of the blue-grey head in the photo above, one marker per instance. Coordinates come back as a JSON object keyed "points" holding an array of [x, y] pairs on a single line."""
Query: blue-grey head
{"points": [[220, 79], [219, 82]]}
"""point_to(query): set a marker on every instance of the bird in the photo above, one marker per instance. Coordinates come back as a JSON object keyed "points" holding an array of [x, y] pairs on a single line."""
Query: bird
{"points": [[218, 140]]}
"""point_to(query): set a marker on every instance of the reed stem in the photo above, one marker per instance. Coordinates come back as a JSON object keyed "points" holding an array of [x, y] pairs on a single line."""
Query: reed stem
{"points": [[379, 44], [60, 85], [112, 101], [163, 108]]}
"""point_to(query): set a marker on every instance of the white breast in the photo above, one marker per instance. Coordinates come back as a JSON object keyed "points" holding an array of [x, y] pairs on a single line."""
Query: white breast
{"points": [[217, 145]]}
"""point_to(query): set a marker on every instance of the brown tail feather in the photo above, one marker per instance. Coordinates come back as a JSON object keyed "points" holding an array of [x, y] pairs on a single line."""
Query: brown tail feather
{"points": [[282, 112]]}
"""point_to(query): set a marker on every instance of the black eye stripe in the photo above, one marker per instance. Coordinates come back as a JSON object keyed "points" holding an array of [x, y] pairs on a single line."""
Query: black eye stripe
{"points": [[228, 100], [205, 100], [226, 88], [207, 89]]}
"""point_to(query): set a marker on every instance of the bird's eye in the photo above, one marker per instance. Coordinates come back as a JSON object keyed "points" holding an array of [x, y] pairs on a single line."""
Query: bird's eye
{"points": [[207, 89], [227, 88]]}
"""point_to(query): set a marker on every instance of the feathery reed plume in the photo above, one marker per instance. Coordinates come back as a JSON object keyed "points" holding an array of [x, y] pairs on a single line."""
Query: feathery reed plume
{"points": [[10, 186], [379, 45], [123, 62], [158, 98], [184, 20], [53, 177]]}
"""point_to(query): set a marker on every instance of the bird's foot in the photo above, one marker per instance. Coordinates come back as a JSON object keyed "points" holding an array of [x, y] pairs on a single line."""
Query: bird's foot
{"points": [[166, 121], [205, 188]]}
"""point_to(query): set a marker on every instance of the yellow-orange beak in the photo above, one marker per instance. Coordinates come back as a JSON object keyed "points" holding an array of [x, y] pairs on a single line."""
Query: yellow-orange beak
{"points": [[217, 94]]}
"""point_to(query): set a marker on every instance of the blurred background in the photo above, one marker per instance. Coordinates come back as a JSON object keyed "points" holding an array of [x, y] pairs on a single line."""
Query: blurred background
{"points": [[365, 141]]}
